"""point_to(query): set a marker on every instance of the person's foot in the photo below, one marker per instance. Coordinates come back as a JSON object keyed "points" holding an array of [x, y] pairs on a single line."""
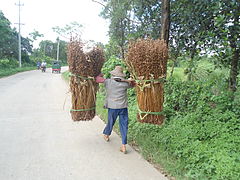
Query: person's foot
{"points": [[106, 137], [123, 149]]}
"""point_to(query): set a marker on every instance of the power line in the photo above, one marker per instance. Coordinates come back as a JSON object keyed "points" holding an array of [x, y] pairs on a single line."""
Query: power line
{"points": [[19, 32]]}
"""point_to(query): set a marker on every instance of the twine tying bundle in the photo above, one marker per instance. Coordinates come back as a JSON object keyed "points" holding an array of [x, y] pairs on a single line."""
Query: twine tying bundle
{"points": [[147, 83]]}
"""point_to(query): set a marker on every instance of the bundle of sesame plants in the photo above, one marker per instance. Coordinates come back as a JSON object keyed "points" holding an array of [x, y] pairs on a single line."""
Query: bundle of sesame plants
{"points": [[147, 63], [83, 67]]}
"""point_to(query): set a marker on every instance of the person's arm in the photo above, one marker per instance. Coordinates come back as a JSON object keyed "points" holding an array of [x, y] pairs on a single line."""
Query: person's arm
{"points": [[131, 82], [100, 78]]}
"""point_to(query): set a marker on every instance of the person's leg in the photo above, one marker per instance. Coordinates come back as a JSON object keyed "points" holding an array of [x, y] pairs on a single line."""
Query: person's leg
{"points": [[123, 124], [112, 116]]}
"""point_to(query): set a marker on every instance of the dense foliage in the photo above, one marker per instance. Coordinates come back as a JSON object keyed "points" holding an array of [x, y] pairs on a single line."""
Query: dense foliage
{"points": [[200, 131], [47, 50], [9, 42], [199, 139], [209, 27]]}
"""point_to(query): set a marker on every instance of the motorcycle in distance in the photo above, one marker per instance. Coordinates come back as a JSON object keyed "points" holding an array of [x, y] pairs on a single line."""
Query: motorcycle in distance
{"points": [[43, 69], [38, 65], [43, 66]]}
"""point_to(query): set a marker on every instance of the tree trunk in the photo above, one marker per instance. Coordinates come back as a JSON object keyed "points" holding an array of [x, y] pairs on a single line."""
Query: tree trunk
{"points": [[191, 64], [234, 71], [165, 22], [235, 58], [173, 66], [122, 40]]}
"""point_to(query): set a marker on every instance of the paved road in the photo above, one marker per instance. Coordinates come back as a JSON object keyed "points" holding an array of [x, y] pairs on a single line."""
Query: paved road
{"points": [[39, 141]]}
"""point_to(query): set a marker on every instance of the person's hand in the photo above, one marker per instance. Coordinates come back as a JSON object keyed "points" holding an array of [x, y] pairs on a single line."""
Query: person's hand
{"points": [[133, 83], [100, 78]]}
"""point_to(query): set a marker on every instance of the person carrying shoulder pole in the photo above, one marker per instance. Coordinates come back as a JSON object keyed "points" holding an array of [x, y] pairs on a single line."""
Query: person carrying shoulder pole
{"points": [[116, 103]]}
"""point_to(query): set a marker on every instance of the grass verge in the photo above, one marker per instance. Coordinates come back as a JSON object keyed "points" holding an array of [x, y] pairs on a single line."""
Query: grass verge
{"points": [[8, 72], [65, 75]]}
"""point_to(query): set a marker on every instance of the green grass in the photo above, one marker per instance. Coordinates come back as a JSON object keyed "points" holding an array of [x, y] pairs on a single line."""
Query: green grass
{"points": [[178, 73], [65, 75], [8, 72]]}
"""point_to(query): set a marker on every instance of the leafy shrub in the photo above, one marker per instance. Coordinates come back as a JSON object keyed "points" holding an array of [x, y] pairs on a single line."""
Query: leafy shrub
{"points": [[42, 58], [201, 130], [8, 72], [204, 141], [110, 64], [9, 67], [236, 104], [6, 64]]}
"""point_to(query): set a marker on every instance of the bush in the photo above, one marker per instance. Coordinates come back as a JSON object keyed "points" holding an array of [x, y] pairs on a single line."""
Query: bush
{"points": [[42, 58], [204, 141], [7, 64], [9, 67], [110, 64], [200, 136]]}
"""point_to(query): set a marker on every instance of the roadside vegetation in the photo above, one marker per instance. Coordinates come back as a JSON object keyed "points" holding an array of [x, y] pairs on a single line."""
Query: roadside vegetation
{"points": [[9, 60], [11, 67], [200, 136], [199, 139], [66, 75]]}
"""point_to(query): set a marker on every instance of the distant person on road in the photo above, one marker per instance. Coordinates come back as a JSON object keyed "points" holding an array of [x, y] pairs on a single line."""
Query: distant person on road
{"points": [[38, 65], [116, 103], [44, 64]]}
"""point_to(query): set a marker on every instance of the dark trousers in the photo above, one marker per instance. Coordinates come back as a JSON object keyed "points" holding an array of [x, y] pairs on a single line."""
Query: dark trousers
{"points": [[123, 122]]}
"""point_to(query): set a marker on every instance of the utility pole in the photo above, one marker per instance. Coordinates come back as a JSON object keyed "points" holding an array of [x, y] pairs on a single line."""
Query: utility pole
{"points": [[58, 48], [19, 33]]}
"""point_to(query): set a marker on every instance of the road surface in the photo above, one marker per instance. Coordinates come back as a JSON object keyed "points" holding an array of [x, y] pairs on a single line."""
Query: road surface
{"points": [[39, 140]]}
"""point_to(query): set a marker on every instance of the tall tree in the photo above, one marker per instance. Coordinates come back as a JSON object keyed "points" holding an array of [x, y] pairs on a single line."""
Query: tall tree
{"points": [[69, 30], [119, 14], [165, 22], [190, 23], [9, 41], [225, 37], [147, 14], [48, 48], [132, 19], [35, 35]]}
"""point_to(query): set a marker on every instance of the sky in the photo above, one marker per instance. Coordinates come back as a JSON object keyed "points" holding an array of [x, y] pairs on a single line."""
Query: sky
{"points": [[42, 15]]}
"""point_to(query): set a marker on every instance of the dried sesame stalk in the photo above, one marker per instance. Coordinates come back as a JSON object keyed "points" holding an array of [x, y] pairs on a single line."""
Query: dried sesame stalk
{"points": [[83, 68], [147, 63]]}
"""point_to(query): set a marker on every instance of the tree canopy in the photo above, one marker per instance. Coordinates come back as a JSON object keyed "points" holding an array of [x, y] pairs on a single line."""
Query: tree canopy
{"points": [[9, 41], [198, 27]]}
